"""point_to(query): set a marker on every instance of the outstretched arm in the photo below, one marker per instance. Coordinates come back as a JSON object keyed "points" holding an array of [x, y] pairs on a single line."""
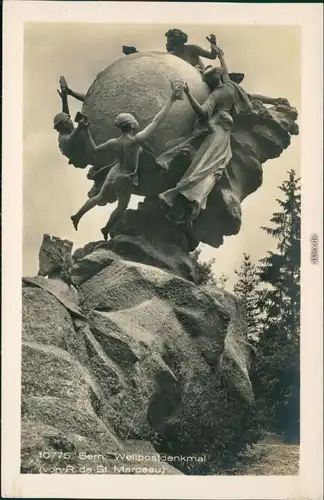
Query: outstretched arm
{"points": [[93, 146], [144, 134], [225, 75], [64, 99], [269, 100], [76, 95], [198, 108], [209, 54], [212, 53]]}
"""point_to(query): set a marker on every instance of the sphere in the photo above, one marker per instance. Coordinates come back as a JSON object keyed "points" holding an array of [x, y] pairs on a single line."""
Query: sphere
{"points": [[140, 84]]}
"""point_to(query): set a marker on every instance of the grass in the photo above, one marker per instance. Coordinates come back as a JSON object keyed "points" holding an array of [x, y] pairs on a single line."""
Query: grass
{"points": [[269, 457]]}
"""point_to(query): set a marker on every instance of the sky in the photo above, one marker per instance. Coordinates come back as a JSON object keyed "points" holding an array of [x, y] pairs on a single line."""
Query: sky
{"points": [[53, 190]]}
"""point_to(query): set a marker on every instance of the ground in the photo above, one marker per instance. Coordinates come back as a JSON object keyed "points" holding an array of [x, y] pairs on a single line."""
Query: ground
{"points": [[270, 457]]}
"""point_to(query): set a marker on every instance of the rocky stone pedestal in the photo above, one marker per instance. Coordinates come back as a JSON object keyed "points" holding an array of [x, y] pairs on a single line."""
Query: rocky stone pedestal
{"points": [[146, 235], [144, 363]]}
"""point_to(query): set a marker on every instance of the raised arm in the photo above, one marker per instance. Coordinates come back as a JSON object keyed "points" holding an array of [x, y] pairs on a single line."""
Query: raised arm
{"points": [[225, 75], [64, 99], [209, 54], [213, 52], [76, 95], [93, 146], [269, 100], [144, 134], [198, 108], [200, 66]]}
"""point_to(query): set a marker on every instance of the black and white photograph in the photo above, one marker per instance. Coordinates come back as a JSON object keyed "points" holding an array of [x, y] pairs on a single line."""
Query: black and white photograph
{"points": [[162, 196]]}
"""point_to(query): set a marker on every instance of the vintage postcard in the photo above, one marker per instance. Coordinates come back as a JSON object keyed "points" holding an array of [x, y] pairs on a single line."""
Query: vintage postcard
{"points": [[162, 250]]}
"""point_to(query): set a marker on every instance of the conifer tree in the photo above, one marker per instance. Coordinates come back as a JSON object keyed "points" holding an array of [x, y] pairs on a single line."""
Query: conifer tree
{"points": [[278, 360], [246, 288], [204, 274]]}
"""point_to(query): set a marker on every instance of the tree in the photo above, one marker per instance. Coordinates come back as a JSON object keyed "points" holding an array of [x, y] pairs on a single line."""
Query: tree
{"points": [[204, 274], [246, 288], [278, 360]]}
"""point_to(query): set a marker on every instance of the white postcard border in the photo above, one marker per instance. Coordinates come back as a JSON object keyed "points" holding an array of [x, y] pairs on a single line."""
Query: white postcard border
{"points": [[308, 484]]}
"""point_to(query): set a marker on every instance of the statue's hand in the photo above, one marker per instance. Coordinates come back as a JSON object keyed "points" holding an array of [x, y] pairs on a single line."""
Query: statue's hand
{"points": [[64, 83], [186, 88], [220, 51], [212, 39], [174, 95], [177, 91]]}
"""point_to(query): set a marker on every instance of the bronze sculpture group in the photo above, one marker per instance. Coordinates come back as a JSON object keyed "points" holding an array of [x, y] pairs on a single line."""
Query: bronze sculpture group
{"points": [[183, 202]]}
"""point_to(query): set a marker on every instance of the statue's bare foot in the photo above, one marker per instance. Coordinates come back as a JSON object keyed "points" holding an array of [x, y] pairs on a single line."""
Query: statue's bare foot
{"points": [[105, 233], [75, 221]]}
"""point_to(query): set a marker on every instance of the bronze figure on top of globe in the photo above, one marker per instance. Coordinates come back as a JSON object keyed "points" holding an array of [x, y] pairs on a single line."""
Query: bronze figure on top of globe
{"points": [[187, 137]]}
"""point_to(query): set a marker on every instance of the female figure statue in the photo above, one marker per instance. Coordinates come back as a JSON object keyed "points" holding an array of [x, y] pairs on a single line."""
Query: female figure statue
{"points": [[123, 174], [177, 45], [184, 202]]}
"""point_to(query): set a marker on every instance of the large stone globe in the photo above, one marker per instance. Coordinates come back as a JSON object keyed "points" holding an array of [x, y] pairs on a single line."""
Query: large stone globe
{"points": [[140, 84]]}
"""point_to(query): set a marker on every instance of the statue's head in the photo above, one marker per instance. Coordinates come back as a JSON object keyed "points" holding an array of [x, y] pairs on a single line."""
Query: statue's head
{"points": [[62, 123], [175, 39], [55, 257], [126, 123], [234, 77], [212, 76]]}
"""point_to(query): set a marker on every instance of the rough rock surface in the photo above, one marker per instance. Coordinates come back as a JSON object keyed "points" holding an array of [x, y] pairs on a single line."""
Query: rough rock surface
{"points": [[145, 79], [63, 403], [142, 235], [159, 366]]}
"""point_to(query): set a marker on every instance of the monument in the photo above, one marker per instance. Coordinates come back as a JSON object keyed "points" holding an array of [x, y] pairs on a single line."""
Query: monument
{"points": [[139, 84], [130, 354]]}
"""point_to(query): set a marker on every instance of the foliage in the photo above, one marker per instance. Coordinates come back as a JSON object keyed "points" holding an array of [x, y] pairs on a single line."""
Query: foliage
{"points": [[234, 415], [246, 288], [203, 271], [277, 378]]}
